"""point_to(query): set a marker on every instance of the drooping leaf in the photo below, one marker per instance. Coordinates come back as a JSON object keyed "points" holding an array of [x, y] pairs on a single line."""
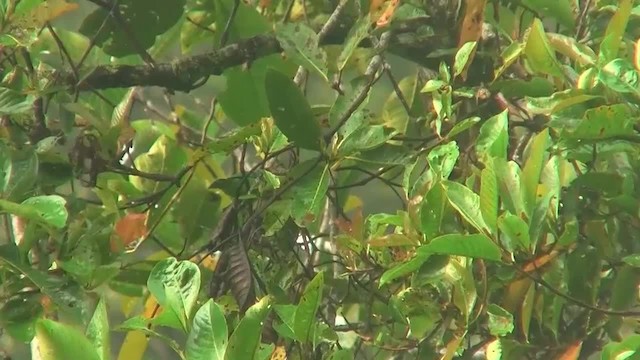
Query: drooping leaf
{"points": [[533, 168], [463, 56], [610, 46], [539, 54], [489, 196], [494, 137], [309, 192], [245, 339], [208, 337], [467, 203], [98, 331], [175, 285], [514, 232], [305, 317], [471, 245], [291, 111]]}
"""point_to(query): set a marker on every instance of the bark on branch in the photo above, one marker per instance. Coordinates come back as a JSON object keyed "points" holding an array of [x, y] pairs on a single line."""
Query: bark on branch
{"points": [[183, 74]]}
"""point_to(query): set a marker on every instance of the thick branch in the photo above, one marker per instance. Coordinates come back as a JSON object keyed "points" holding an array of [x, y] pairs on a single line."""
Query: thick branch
{"points": [[183, 74], [180, 74]]}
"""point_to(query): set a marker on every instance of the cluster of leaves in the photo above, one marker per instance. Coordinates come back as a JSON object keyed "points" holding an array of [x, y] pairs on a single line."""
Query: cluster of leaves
{"points": [[515, 161]]}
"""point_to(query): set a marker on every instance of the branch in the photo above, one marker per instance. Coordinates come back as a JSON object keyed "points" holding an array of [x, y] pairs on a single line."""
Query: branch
{"points": [[180, 74], [184, 74]]}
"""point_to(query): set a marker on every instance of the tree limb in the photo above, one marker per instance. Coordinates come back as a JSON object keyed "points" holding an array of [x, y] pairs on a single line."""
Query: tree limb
{"points": [[183, 74]]}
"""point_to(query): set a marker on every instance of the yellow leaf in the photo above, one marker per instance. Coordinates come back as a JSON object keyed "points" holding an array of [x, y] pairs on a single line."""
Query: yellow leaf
{"points": [[47, 11]]}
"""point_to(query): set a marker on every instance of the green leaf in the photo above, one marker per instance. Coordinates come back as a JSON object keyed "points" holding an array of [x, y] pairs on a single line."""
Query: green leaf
{"points": [[628, 348], [489, 197], [471, 245], [514, 232], [603, 122], [558, 101], [342, 106], [364, 138], [301, 43], [462, 126], [533, 168], [571, 48], [560, 10], [310, 189], [583, 273], [432, 211], [621, 76], [291, 111], [18, 316], [467, 203], [98, 331], [509, 55], [462, 57], [164, 157], [442, 159], [245, 85], [209, 334], [231, 140], [305, 316], [510, 185], [175, 285], [500, 320], [144, 20], [494, 137], [403, 269], [610, 46], [60, 341], [516, 88], [19, 172], [47, 210], [358, 32], [395, 114], [14, 103], [539, 54], [243, 343], [342, 354]]}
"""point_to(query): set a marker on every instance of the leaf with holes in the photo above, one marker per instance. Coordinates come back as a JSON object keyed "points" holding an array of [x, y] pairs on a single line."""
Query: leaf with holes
{"points": [[301, 43]]}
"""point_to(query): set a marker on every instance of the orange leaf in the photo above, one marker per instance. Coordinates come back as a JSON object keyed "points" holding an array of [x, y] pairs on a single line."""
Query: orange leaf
{"points": [[385, 18], [471, 26], [129, 228], [572, 352]]}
